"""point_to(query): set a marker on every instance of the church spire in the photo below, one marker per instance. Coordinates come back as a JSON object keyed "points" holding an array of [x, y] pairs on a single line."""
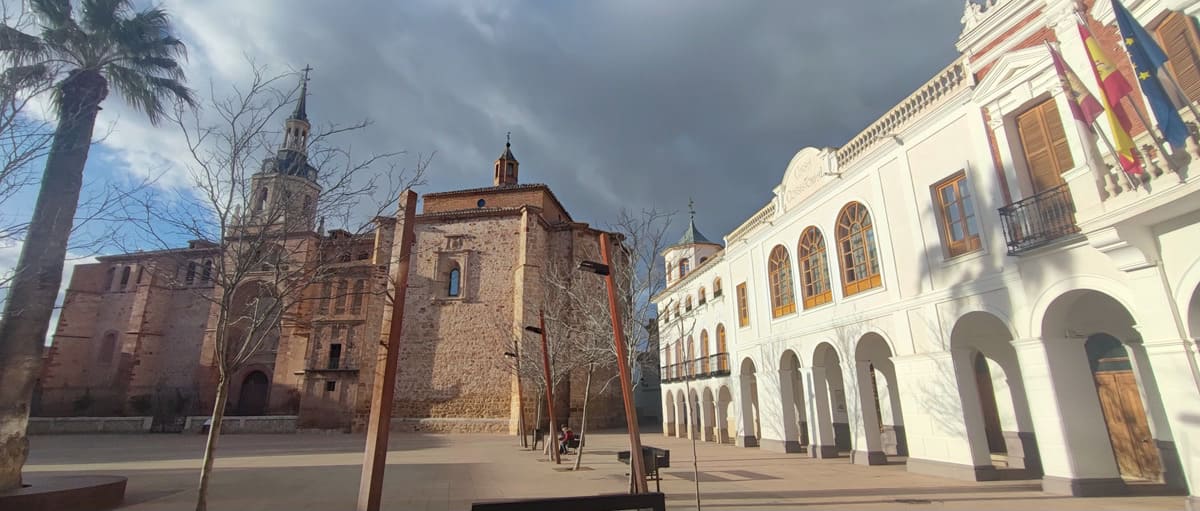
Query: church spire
{"points": [[295, 137], [506, 165]]}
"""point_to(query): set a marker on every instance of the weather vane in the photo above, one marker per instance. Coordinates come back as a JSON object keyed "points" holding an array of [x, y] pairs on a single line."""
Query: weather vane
{"points": [[306, 69], [508, 139], [692, 208]]}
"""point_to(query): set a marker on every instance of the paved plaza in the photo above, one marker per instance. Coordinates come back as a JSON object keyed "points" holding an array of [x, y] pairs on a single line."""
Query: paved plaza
{"points": [[448, 472]]}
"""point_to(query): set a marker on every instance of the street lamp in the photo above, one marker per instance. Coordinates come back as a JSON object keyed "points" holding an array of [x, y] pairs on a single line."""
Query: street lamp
{"points": [[636, 469], [541, 330]]}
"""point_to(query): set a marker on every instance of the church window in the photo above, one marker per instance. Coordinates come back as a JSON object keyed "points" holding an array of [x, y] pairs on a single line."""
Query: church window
{"points": [[356, 305], [335, 356], [124, 277], [454, 287], [307, 205], [716, 287], [109, 277], [107, 346], [779, 272], [742, 306], [330, 386], [480, 203], [262, 200], [856, 249], [814, 269], [208, 268], [508, 169], [326, 290], [683, 267], [342, 294], [191, 272]]}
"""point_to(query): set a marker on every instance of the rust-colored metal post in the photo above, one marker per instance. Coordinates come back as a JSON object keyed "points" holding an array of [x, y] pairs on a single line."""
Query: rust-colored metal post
{"points": [[370, 486], [520, 395], [636, 468], [549, 384]]}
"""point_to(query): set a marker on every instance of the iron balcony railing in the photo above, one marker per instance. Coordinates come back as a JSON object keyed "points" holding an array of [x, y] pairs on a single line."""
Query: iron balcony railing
{"points": [[705, 367], [1038, 220]]}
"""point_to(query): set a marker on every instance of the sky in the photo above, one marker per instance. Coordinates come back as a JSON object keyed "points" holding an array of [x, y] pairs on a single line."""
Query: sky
{"points": [[614, 104]]}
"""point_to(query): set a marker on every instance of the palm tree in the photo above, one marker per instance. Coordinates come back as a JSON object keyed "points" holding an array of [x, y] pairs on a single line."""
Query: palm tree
{"points": [[106, 42]]}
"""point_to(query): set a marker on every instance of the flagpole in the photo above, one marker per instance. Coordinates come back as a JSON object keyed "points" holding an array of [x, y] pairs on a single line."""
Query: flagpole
{"points": [[1150, 128], [1193, 146], [1126, 183]]}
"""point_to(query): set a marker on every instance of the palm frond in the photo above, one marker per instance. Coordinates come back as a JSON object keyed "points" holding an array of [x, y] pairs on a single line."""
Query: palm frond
{"points": [[53, 13], [158, 66], [25, 77], [18, 47], [148, 93], [148, 33], [102, 16]]}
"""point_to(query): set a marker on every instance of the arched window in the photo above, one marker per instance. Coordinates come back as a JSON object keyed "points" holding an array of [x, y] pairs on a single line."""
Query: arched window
{"points": [[108, 345], [856, 250], [262, 200], [814, 269], [716, 287], [703, 296], [124, 277], [779, 271], [704, 365], [683, 267], [722, 349], [679, 360], [455, 287], [109, 277], [208, 267], [677, 309], [691, 356], [687, 303], [191, 272], [359, 291]]}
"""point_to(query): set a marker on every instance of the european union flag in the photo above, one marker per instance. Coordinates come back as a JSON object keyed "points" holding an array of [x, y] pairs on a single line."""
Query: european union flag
{"points": [[1148, 62]]}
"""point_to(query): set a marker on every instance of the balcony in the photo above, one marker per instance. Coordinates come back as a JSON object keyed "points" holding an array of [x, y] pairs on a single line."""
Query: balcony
{"points": [[697, 369], [1036, 221]]}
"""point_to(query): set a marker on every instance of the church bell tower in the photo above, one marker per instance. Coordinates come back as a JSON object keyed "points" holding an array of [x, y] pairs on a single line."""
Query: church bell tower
{"points": [[506, 166]]}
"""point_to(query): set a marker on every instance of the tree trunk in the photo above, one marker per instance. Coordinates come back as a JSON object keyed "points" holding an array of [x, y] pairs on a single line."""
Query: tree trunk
{"points": [[38, 274], [210, 447], [587, 390]]}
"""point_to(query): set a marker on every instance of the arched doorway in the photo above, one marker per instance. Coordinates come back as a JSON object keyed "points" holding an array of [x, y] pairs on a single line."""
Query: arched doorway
{"points": [[831, 433], [725, 421], [696, 424], [252, 397], [669, 416], [712, 430], [791, 393], [1091, 343], [749, 432], [682, 418], [880, 428], [992, 395]]}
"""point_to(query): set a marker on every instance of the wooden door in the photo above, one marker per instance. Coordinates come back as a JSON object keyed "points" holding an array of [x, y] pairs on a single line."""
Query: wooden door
{"points": [[1132, 443], [1047, 154], [1179, 39]]}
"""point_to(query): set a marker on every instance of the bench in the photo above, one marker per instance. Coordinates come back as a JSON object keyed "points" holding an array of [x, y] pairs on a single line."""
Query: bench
{"points": [[614, 502], [653, 458]]}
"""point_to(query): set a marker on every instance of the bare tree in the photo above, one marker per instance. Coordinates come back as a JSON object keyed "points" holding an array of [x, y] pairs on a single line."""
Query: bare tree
{"points": [[259, 251]]}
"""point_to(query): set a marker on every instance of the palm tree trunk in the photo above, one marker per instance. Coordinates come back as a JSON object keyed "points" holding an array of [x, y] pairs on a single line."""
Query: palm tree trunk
{"points": [[587, 391], [38, 273], [210, 446]]}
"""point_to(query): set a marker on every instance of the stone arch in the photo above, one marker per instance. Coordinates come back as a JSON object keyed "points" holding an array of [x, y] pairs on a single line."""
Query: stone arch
{"points": [[682, 419], [879, 408], [696, 423], [1187, 295], [791, 395], [669, 415], [253, 390], [725, 421], [1125, 411], [1077, 283], [750, 431], [827, 389], [712, 429]]}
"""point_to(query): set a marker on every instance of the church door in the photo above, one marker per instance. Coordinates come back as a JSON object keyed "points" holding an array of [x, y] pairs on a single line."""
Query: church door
{"points": [[252, 399]]}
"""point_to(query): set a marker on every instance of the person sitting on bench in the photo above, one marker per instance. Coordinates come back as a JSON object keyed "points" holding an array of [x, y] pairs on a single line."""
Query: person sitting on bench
{"points": [[566, 437]]}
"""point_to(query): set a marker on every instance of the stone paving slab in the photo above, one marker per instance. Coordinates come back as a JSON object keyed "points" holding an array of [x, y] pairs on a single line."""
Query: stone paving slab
{"points": [[448, 472]]}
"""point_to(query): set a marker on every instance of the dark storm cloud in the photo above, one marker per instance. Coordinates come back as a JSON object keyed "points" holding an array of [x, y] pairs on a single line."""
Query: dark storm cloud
{"points": [[614, 104]]}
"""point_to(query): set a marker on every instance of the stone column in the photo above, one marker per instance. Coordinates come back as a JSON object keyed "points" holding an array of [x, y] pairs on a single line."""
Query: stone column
{"points": [[778, 415], [821, 444], [746, 436], [1176, 365], [864, 424], [1076, 453]]}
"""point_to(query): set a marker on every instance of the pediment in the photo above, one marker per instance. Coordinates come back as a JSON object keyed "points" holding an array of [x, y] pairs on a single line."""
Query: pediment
{"points": [[1012, 68], [805, 174]]}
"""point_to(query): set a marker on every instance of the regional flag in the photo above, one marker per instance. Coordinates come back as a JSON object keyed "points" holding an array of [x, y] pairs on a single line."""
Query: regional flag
{"points": [[1084, 106], [1149, 62], [1113, 87]]}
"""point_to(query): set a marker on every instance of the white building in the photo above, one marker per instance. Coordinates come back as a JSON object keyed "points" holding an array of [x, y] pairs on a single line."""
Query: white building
{"points": [[958, 286]]}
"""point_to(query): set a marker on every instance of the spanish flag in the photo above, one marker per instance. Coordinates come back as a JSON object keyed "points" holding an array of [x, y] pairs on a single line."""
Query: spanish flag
{"points": [[1113, 87]]}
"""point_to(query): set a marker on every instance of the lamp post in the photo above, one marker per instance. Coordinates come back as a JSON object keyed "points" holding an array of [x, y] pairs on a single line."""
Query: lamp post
{"points": [[516, 356], [541, 330], [636, 468]]}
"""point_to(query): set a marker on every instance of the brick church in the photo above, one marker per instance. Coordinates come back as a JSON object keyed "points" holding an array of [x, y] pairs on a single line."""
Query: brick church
{"points": [[137, 343]]}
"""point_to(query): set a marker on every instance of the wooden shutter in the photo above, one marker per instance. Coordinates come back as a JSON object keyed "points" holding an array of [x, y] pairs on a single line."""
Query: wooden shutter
{"points": [[1177, 33], [1045, 143]]}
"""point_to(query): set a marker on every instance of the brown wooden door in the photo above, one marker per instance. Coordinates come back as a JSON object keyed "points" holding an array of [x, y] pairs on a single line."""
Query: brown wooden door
{"points": [[1047, 154], [1132, 443], [1179, 39]]}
